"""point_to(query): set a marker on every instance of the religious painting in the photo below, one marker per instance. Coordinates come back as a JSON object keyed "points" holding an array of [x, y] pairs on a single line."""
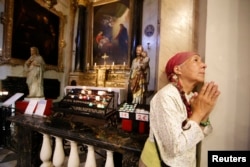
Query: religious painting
{"points": [[34, 24], [111, 32]]}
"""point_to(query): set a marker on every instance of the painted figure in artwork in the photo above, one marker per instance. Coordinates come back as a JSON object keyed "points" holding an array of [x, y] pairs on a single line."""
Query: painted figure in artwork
{"points": [[122, 38]]}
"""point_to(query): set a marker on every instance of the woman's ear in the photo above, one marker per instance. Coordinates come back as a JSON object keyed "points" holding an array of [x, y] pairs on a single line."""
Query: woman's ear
{"points": [[177, 70]]}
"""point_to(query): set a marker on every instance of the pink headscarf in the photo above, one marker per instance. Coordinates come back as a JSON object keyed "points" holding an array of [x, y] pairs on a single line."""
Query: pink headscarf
{"points": [[177, 59]]}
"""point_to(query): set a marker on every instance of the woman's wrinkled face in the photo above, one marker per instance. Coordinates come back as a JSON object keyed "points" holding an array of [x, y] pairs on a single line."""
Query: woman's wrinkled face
{"points": [[192, 70]]}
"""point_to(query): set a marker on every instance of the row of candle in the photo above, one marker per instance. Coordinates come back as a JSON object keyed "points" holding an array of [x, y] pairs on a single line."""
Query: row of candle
{"points": [[87, 97], [84, 90], [87, 94], [113, 64]]}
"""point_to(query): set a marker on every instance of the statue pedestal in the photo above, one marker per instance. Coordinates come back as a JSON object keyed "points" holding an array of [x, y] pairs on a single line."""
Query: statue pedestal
{"points": [[34, 98]]}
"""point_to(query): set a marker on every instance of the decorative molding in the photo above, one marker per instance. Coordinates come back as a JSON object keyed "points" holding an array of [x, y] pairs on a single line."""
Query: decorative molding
{"points": [[82, 2], [101, 77], [50, 3], [74, 4], [7, 32], [103, 2]]}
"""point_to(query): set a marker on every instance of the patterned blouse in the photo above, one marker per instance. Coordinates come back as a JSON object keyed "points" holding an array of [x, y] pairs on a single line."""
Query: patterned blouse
{"points": [[177, 146]]}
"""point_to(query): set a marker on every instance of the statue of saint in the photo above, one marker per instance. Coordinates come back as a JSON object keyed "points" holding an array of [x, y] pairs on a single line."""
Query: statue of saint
{"points": [[145, 66], [34, 68], [139, 75]]}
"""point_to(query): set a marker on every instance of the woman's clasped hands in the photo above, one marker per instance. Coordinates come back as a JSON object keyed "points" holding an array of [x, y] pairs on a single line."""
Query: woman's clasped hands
{"points": [[202, 103]]}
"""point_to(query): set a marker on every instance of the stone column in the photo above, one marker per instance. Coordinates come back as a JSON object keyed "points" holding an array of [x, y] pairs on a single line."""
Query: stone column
{"points": [[80, 54], [136, 37]]}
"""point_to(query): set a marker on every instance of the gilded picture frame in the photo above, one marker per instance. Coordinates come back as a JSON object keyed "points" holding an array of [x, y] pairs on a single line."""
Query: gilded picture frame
{"points": [[110, 32], [50, 43]]}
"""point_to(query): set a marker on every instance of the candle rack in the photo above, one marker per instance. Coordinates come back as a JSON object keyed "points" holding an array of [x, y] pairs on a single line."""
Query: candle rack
{"points": [[94, 104]]}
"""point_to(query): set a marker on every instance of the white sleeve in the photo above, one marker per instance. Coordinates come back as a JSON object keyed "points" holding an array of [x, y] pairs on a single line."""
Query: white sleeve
{"points": [[166, 117]]}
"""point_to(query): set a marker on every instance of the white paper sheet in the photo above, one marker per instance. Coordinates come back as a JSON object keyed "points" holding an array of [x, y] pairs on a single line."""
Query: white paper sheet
{"points": [[12, 99], [31, 107], [40, 107]]}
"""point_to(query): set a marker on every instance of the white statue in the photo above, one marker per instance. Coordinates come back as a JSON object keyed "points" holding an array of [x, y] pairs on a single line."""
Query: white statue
{"points": [[34, 68]]}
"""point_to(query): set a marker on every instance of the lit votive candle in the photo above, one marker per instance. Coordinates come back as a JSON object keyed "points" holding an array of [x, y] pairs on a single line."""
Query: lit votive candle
{"points": [[82, 91], [97, 98]]}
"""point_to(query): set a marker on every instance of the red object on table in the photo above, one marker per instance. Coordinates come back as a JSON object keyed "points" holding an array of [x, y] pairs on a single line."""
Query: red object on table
{"points": [[22, 105], [127, 125]]}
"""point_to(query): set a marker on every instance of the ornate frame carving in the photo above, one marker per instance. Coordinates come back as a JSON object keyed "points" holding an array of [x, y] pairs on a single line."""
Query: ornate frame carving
{"points": [[7, 36]]}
